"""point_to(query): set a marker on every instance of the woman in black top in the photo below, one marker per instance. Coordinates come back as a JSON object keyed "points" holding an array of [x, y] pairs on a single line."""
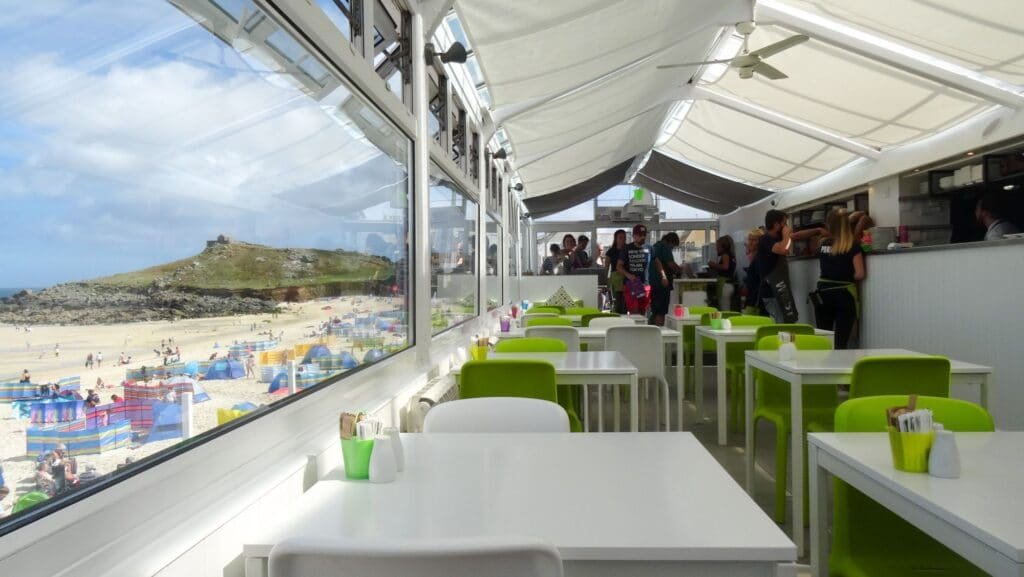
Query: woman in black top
{"points": [[842, 265], [615, 278], [725, 268]]}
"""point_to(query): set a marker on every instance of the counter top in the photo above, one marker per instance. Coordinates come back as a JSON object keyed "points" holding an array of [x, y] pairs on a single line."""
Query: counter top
{"points": [[934, 247]]}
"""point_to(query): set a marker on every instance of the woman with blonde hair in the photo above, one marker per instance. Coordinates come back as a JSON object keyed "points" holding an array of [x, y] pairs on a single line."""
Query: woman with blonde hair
{"points": [[751, 281], [842, 265]]}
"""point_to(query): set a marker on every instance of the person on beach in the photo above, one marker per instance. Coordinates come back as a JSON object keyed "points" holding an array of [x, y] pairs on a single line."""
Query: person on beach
{"points": [[100, 384], [25, 377], [250, 366], [99, 359], [56, 350]]}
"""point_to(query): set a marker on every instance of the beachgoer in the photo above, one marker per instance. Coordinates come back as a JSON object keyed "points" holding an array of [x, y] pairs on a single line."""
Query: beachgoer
{"points": [[56, 350], [44, 480], [25, 377], [99, 359], [170, 396], [92, 397], [115, 398], [250, 366], [4, 510], [88, 361], [100, 384]]}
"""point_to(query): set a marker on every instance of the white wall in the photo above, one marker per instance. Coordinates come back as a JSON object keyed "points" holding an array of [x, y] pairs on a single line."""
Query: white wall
{"points": [[963, 303]]}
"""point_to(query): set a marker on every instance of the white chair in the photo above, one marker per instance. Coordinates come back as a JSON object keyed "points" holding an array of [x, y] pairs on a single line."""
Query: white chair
{"points": [[497, 415], [457, 557], [643, 346], [612, 322], [569, 335]]}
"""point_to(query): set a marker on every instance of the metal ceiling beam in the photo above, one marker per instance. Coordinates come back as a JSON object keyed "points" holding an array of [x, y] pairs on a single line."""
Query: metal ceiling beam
{"points": [[788, 123], [889, 52], [433, 12]]}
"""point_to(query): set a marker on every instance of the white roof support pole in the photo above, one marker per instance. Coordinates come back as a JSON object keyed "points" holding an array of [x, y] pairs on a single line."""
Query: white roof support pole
{"points": [[889, 52], [788, 123], [421, 194]]}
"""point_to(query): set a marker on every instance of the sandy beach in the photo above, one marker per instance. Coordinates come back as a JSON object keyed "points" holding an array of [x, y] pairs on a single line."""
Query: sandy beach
{"points": [[34, 350]]}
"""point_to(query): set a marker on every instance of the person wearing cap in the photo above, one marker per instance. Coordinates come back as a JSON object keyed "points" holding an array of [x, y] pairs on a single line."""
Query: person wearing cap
{"points": [[633, 258], [662, 270]]}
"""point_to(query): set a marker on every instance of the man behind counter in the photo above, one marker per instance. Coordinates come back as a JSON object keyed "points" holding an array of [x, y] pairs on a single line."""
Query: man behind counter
{"points": [[989, 212]]}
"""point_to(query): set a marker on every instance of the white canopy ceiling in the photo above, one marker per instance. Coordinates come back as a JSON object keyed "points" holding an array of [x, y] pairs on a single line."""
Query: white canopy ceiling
{"points": [[576, 87]]}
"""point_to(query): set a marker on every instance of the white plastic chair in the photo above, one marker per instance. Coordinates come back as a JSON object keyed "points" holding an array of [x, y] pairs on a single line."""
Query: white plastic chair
{"points": [[497, 415], [569, 335], [643, 346], [612, 322], [459, 557]]}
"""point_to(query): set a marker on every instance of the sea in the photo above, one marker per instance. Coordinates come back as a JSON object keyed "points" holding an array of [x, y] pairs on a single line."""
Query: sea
{"points": [[8, 291]]}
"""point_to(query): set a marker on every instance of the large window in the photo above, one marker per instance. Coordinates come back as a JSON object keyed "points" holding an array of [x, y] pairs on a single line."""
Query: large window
{"points": [[493, 238], [453, 279], [200, 218]]}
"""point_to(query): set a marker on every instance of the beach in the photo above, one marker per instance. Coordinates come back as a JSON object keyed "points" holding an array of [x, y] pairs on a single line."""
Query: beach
{"points": [[35, 350]]}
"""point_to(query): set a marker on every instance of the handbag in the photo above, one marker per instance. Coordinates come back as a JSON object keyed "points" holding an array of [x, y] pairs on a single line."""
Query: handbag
{"points": [[636, 288], [778, 282]]}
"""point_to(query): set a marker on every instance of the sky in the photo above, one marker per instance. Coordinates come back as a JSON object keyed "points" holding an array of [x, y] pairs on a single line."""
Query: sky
{"points": [[130, 135]]}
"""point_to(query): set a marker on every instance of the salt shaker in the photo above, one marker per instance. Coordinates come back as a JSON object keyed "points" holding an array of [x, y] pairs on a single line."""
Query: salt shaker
{"points": [[944, 458], [396, 447], [382, 461], [787, 348]]}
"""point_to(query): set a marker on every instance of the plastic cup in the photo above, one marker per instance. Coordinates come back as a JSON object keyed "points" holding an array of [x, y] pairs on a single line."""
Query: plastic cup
{"points": [[680, 311], [716, 324], [515, 311], [910, 450], [478, 352], [506, 324], [356, 455]]}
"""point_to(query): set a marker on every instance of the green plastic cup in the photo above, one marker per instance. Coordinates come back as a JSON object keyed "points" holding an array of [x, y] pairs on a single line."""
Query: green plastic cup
{"points": [[356, 455], [910, 450], [716, 324]]}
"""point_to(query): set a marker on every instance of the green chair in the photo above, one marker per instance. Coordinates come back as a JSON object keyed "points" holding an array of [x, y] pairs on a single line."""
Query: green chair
{"points": [[585, 319], [582, 311], [530, 345], [568, 395], [546, 309], [688, 336], [773, 405], [541, 321], [735, 366], [734, 352], [30, 499], [900, 375], [508, 378], [868, 539]]}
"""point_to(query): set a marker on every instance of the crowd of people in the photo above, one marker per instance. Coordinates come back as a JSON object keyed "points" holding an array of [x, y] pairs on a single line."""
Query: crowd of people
{"points": [[571, 255]]}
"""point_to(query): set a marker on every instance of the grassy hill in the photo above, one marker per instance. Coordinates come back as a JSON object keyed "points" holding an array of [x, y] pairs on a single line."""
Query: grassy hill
{"points": [[241, 267]]}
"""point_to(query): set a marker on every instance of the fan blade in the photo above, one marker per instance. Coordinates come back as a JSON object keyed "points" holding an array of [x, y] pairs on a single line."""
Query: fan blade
{"points": [[684, 64], [779, 46], [769, 71]]}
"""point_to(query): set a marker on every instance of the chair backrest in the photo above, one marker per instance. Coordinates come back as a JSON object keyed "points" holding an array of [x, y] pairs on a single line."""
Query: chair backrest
{"points": [[556, 321], [867, 414], [457, 557], [569, 335], [749, 320], [642, 345], [802, 342], [612, 322], [508, 378], [547, 309], [497, 415], [586, 319], [531, 345], [533, 315], [773, 391], [582, 311], [774, 329], [900, 375]]}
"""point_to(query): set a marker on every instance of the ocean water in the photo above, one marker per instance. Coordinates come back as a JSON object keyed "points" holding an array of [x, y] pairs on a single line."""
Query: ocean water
{"points": [[8, 291]]}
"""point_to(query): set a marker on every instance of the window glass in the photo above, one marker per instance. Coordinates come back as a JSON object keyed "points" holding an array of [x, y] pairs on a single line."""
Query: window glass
{"points": [[190, 206], [453, 280], [339, 13], [494, 297]]}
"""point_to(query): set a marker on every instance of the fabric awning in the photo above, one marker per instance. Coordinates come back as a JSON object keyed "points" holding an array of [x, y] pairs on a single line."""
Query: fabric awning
{"points": [[695, 187], [569, 197]]}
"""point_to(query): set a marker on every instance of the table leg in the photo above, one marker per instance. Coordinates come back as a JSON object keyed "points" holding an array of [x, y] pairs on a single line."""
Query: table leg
{"points": [[586, 409], [819, 514], [748, 417], [723, 406], [680, 376], [796, 455], [698, 376], [984, 391], [256, 566], [634, 400], [600, 408]]}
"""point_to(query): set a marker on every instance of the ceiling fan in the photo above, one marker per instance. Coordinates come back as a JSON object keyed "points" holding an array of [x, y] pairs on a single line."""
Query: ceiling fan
{"points": [[748, 63]]}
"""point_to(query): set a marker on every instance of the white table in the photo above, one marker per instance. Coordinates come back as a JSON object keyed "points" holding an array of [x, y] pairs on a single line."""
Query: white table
{"points": [[978, 515], [588, 368], [691, 298], [577, 320], [593, 337], [618, 504], [741, 334], [825, 368]]}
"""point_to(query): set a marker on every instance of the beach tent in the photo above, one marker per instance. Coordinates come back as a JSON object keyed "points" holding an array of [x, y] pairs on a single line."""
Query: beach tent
{"points": [[383, 324], [166, 422], [184, 384], [373, 355], [244, 406], [225, 369], [280, 383], [348, 361], [191, 369], [315, 353]]}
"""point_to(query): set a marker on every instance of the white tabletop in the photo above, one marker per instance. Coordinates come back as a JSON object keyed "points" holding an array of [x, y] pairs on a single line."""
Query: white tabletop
{"points": [[587, 362], [984, 502], [630, 496], [832, 362], [745, 331]]}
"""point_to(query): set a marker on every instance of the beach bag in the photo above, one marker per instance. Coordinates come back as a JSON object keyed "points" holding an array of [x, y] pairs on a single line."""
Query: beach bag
{"points": [[637, 304], [635, 288], [781, 305]]}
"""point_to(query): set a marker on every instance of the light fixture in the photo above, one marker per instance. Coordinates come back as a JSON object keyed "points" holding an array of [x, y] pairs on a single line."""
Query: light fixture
{"points": [[917, 170], [970, 153], [500, 155], [1009, 186], [456, 53], [519, 186]]}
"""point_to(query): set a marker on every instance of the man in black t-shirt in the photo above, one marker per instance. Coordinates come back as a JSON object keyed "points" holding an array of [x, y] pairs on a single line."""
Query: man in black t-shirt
{"points": [[774, 243], [633, 258]]}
